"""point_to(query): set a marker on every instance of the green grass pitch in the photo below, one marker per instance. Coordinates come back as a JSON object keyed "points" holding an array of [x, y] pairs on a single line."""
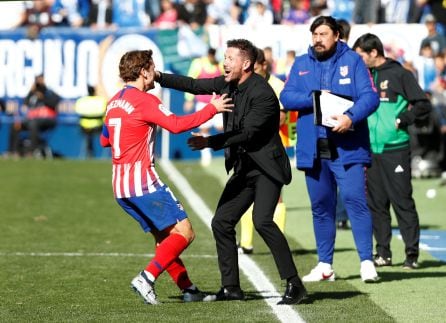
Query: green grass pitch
{"points": [[68, 254]]}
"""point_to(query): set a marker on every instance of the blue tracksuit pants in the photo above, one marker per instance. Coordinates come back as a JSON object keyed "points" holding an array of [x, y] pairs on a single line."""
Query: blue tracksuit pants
{"points": [[322, 183]]}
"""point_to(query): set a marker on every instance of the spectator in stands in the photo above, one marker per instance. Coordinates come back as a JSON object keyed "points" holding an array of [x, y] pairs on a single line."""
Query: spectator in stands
{"points": [[259, 14], [436, 41], [389, 180], [243, 6], [36, 16], [40, 111], [277, 9], [130, 13], [438, 10], [193, 13], [223, 12], [394, 11], [11, 14], [100, 16], [153, 8], [204, 67], [72, 13], [299, 13], [366, 11], [168, 18], [341, 9], [425, 67], [91, 110]]}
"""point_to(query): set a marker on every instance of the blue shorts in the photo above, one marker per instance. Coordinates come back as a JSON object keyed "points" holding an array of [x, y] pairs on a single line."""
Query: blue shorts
{"points": [[158, 210]]}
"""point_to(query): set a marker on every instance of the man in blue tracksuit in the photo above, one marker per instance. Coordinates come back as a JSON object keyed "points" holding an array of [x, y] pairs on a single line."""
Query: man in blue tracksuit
{"points": [[334, 157]]}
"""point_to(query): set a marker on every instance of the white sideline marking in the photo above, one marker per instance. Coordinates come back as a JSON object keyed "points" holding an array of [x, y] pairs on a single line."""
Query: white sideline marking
{"points": [[284, 313], [93, 254]]}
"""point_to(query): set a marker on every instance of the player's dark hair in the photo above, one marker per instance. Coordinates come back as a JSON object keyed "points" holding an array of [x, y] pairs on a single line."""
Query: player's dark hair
{"points": [[132, 62], [246, 48], [327, 21], [369, 42]]}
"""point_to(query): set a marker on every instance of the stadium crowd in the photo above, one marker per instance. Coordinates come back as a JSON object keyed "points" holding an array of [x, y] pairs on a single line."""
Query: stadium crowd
{"points": [[171, 13], [429, 68]]}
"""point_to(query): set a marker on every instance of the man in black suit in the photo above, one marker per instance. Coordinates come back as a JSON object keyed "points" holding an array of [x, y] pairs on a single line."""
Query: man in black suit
{"points": [[254, 151]]}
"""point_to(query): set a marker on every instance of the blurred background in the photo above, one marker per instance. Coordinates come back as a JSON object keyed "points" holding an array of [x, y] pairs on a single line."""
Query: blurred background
{"points": [[76, 45]]}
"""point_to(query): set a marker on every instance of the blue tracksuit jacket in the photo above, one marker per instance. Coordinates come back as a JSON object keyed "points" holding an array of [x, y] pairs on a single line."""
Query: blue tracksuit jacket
{"points": [[350, 77]]}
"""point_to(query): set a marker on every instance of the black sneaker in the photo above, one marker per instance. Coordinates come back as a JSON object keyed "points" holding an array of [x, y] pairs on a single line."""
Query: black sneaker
{"points": [[230, 294], [410, 263], [380, 261]]}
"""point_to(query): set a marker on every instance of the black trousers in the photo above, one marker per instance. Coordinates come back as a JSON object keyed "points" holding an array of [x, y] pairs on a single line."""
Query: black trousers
{"points": [[389, 182], [241, 190]]}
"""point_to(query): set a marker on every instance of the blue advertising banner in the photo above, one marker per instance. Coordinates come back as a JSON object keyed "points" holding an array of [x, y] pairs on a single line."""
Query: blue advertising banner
{"points": [[70, 60]]}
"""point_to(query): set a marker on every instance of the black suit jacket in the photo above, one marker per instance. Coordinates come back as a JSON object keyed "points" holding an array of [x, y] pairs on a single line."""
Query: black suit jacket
{"points": [[255, 125]]}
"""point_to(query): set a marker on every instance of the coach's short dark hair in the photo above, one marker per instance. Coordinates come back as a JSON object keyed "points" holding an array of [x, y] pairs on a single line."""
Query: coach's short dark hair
{"points": [[246, 48], [369, 42]]}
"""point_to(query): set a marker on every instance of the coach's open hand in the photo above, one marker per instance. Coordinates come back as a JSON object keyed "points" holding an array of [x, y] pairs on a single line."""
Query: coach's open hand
{"points": [[197, 141]]}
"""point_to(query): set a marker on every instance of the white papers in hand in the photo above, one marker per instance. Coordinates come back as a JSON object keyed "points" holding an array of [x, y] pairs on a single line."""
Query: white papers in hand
{"points": [[326, 105]]}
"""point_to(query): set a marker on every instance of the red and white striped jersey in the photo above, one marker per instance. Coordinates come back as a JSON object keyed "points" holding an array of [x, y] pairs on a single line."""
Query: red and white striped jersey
{"points": [[130, 126]]}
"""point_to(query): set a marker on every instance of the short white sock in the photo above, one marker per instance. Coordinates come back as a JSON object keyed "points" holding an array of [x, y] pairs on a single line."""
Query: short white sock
{"points": [[149, 276]]}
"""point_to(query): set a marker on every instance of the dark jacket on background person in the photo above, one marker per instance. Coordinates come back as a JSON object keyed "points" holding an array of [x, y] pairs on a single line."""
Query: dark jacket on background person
{"points": [[398, 89]]}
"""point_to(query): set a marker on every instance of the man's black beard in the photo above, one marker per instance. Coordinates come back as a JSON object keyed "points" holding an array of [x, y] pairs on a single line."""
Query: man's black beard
{"points": [[326, 54]]}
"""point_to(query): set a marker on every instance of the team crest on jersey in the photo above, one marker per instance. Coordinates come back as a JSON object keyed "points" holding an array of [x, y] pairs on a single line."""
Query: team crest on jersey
{"points": [[384, 85], [343, 70], [164, 110]]}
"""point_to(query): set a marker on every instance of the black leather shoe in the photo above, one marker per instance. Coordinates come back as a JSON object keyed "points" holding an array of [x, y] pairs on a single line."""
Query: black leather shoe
{"points": [[234, 294], [294, 294]]}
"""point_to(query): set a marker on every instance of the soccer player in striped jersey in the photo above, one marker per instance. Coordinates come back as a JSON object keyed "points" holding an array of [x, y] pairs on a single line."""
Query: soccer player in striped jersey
{"points": [[130, 128]]}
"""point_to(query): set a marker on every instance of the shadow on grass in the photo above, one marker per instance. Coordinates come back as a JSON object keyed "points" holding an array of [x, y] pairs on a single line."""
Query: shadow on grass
{"points": [[403, 275], [298, 208], [422, 227], [314, 251], [252, 295], [334, 295]]}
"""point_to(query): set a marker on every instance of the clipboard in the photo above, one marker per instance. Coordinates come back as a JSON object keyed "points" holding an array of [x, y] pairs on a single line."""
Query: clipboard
{"points": [[327, 104]]}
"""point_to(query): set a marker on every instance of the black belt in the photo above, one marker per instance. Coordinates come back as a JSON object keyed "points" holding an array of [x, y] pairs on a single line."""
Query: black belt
{"points": [[326, 149]]}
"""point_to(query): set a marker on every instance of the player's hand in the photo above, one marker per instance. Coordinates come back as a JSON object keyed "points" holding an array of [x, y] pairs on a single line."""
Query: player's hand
{"points": [[344, 123], [222, 103], [197, 141]]}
